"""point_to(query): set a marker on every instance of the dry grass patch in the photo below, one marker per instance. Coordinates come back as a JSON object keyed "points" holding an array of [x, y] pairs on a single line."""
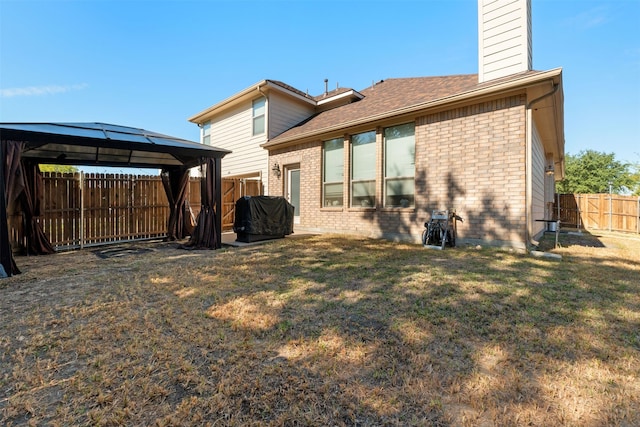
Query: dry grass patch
{"points": [[324, 330]]}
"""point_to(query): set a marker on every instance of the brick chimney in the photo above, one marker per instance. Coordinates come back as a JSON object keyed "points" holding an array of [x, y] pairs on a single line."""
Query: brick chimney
{"points": [[504, 38]]}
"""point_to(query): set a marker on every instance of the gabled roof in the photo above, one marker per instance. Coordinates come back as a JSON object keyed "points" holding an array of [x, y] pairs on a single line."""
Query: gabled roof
{"points": [[395, 97], [106, 145], [326, 100], [252, 92]]}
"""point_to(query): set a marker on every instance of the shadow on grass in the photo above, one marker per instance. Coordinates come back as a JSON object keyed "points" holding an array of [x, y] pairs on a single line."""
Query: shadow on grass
{"points": [[332, 331], [568, 238], [456, 330]]}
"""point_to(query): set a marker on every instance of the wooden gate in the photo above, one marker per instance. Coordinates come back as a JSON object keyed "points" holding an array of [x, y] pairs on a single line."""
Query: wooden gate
{"points": [[232, 190]]}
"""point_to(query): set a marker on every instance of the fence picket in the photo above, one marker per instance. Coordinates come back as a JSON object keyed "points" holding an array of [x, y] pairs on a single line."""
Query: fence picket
{"points": [[81, 209], [600, 212]]}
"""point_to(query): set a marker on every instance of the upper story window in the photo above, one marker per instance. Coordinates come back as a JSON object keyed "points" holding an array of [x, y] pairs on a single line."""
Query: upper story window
{"points": [[333, 172], [399, 165], [363, 169], [258, 116], [206, 133]]}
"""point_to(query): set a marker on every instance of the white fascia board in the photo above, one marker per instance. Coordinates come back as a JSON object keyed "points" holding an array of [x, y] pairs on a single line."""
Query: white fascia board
{"points": [[238, 97], [342, 95], [290, 93], [199, 118]]}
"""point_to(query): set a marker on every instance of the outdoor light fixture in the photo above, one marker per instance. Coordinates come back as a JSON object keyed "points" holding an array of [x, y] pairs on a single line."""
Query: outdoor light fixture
{"points": [[549, 170], [276, 169]]}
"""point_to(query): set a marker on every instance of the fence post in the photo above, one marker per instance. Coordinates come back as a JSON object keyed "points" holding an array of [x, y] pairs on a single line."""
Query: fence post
{"points": [[578, 205], [81, 185], [610, 207]]}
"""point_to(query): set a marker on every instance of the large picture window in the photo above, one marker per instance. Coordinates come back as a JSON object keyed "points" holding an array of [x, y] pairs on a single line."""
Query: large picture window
{"points": [[363, 169], [333, 172], [258, 116], [399, 165]]}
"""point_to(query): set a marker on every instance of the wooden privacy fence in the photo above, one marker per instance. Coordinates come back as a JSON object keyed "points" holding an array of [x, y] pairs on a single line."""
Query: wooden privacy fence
{"points": [[91, 209], [599, 211], [232, 190]]}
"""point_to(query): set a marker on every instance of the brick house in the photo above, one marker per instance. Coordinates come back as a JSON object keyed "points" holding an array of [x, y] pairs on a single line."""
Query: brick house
{"points": [[376, 162]]}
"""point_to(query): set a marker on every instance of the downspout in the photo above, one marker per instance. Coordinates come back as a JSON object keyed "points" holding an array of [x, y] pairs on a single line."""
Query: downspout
{"points": [[266, 132], [528, 171]]}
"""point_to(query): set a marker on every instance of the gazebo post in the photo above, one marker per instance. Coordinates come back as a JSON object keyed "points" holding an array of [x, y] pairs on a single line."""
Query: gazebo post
{"points": [[218, 201], [5, 246]]}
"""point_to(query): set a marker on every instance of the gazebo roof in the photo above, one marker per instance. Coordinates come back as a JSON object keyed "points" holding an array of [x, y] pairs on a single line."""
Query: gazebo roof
{"points": [[101, 144]]}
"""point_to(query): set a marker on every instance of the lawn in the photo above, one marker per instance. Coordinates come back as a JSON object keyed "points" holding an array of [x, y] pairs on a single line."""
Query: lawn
{"points": [[324, 330]]}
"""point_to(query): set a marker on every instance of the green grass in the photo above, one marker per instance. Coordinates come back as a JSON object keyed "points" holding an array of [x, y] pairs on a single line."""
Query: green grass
{"points": [[325, 330]]}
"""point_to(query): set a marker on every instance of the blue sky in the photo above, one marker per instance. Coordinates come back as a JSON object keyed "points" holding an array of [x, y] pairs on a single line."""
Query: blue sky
{"points": [[153, 64]]}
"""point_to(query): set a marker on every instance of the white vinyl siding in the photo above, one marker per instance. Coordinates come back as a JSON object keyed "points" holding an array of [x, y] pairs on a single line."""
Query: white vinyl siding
{"points": [[538, 182], [504, 38], [232, 131], [285, 113]]}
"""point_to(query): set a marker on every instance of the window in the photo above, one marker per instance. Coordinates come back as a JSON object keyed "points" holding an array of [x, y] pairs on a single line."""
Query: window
{"points": [[363, 169], [333, 172], [206, 133], [258, 116], [399, 165]]}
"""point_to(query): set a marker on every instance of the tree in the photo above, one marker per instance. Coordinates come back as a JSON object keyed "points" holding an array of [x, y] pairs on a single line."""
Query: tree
{"points": [[591, 172], [58, 168], [635, 177]]}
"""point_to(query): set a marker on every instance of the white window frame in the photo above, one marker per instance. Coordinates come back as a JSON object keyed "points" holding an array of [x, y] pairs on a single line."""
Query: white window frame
{"points": [[206, 133], [404, 171], [255, 117], [329, 200], [368, 200]]}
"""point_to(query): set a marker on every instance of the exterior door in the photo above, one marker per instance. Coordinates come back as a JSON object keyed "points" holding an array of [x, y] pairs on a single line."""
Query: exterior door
{"points": [[293, 192]]}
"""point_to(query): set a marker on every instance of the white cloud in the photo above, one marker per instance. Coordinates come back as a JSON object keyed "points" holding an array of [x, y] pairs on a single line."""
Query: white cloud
{"points": [[40, 90], [594, 17]]}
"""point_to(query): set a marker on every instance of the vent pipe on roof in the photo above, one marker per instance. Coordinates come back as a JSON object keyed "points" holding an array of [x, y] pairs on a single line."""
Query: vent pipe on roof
{"points": [[326, 86]]}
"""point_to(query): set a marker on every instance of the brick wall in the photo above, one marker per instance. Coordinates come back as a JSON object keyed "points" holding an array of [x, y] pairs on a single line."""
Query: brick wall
{"points": [[471, 159]]}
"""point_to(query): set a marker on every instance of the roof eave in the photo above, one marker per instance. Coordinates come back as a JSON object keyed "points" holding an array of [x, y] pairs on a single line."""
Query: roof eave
{"points": [[510, 85], [233, 100]]}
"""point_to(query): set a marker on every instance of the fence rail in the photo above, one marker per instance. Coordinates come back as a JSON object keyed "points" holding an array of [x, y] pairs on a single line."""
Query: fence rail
{"points": [[599, 212], [81, 209]]}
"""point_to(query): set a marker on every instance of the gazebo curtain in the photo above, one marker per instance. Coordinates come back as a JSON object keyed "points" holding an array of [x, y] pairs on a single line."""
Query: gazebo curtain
{"points": [[21, 183], [37, 242], [8, 161], [206, 234], [176, 184]]}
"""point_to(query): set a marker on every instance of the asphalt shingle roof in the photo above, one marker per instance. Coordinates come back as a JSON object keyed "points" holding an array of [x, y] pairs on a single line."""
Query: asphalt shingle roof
{"points": [[388, 96], [385, 96]]}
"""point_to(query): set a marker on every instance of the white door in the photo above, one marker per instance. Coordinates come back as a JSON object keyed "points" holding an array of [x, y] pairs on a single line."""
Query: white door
{"points": [[293, 192]]}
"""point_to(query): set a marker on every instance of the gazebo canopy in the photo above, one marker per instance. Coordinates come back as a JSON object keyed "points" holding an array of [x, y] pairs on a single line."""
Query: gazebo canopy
{"points": [[100, 144]]}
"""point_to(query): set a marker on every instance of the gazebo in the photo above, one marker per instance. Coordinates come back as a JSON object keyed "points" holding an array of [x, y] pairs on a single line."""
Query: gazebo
{"points": [[26, 145]]}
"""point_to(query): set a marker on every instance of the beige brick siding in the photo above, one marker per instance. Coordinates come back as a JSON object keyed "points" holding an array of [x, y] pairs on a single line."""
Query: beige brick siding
{"points": [[471, 159]]}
